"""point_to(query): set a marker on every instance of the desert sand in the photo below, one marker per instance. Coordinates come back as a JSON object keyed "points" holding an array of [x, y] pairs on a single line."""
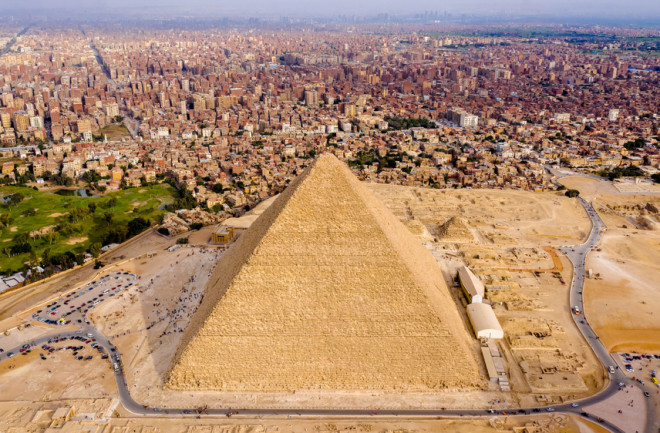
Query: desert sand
{"points": [[511, 249], [508, 239], [622, 301]]}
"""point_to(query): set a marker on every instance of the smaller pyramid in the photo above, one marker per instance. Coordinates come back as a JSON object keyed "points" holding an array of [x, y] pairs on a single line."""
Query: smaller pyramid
{"points": [[455, 229]]}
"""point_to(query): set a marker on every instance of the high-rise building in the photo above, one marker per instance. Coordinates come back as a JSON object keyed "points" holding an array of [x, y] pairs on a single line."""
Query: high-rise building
{"points": [[613, 115], [112, 109], [21, 121], [311, 97], [5, 120], [462, 118], [84, 125], [36, 122]]}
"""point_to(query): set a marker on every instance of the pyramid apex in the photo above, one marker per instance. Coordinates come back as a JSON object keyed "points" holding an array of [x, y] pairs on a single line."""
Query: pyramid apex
{"points": [[326, 158]]}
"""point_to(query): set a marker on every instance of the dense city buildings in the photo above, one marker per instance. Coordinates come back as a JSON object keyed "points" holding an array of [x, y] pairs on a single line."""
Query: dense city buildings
{"points": [[388, 223], [234, 114]]}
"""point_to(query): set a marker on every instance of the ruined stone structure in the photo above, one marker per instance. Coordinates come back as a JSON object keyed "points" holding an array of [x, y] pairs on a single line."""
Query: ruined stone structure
{"points": [[327, 290]]}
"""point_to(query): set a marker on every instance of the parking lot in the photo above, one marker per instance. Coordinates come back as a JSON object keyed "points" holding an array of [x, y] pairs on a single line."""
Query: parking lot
{"points": [[82, 347], [641, 367], [71, 309]]}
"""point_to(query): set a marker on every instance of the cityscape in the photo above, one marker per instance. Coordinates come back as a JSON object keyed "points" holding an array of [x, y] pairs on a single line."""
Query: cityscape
{"points": [[280, 218]]}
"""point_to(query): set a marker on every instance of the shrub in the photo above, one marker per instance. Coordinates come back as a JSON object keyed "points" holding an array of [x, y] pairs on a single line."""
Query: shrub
{"points": [[572, 193]]}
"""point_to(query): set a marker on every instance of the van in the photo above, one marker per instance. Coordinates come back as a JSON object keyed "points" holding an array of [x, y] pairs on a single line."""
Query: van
{"points": [[611, 369]]}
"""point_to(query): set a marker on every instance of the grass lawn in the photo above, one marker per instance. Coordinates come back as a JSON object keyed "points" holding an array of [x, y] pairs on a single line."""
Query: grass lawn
{"points": [[114, 132], [51, 209]]}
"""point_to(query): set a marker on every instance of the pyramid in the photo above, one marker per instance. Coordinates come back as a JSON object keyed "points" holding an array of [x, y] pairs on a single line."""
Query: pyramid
{"points": [[327, 290], [455, 229]]}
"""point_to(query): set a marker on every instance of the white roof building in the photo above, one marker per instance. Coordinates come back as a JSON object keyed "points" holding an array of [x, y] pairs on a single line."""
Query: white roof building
{"points": [[484, 322], [472, 286]]}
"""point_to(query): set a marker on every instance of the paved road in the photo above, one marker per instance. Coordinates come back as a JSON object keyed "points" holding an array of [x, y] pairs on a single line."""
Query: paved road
{"points": [[559, 172], [89, 332], [132, 125], [576, 254], [19, 148], [12, 41]]}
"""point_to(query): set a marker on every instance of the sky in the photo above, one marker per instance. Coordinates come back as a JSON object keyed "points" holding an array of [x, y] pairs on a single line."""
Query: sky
{"points": [[319, 8]]}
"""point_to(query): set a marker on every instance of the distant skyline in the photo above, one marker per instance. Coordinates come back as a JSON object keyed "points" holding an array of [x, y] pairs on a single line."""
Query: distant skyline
{"points": [[642, 9]]}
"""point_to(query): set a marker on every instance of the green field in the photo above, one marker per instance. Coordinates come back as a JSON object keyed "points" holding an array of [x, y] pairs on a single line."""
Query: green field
{"points": [[74, 227], [114, 132]]}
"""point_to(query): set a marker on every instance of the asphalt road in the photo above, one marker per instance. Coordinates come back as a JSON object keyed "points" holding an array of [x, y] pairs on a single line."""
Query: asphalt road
{"points": [[576, 254], [132, 125], [12, 41]]}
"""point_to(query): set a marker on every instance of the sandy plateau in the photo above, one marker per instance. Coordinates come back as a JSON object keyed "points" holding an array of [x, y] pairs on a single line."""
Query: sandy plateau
{"points": [[513, 251], [508, 238], [623, 299]]}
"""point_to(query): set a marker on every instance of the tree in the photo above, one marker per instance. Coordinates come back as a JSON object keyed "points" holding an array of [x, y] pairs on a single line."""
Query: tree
{"points": [[95, 249], [33, 260], [116, 235], [91, 207], [5, 220], [137, 226], [14, 199], [183, 200], [632, 145], [45, 256], [572, 193], [52, 237], [77, 214], [22, 238], [91, 177], [63, 180], [108, 217], [163, 231]]}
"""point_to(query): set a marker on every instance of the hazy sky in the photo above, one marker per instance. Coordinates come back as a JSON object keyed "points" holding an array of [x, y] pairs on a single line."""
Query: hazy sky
{"points": [[649, 9]]}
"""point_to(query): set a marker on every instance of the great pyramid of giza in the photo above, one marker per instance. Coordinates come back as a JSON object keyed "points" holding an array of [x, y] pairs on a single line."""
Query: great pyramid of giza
{"points": [[327, 290]]}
